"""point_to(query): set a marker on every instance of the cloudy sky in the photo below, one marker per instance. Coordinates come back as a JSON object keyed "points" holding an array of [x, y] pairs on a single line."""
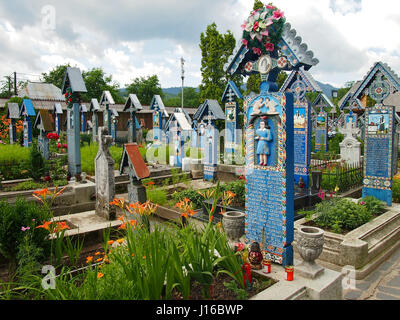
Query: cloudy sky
{"points": [[133, 38]]}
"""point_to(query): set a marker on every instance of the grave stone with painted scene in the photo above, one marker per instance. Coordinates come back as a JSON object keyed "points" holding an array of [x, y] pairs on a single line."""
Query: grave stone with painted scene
{"points": [[270, 135]]}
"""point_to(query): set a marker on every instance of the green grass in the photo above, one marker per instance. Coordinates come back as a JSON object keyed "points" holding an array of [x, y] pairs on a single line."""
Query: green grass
{"points": [[89, 153], [13, 152]]}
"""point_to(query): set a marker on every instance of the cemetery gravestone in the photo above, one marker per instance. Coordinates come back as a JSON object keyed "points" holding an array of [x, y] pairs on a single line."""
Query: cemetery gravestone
{"points": [[13, 115], [206, 115], [321, 132], [83, 111], [114, 124], [57, 111], [299, 83], [380, 149], [133, 164], [27, 111], [232, 133], [133, 105], [106, 100], [73, 86], [44, 123], [350, 147], [94, 109], [104, 172], [270, 138], [160, 116]]}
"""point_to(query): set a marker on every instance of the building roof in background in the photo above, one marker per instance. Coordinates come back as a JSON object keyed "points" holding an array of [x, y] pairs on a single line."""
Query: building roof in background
{"points": [[41, 91]]}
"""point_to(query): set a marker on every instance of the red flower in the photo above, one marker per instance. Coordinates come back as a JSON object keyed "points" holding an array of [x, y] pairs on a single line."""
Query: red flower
{"points": [[58, 145], [65, 146], [269, 47], [257, 51], [245, 42], [255, 26], [47, 178]]}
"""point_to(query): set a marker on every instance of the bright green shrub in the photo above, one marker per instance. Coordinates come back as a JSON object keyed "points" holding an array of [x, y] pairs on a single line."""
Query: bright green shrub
{"points": [[15, 216]]}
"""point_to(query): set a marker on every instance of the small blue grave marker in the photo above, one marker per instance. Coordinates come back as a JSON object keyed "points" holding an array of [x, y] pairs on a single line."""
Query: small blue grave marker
{"points": [[232, 137], [160, 116], [57, 111], [133, 105], [299, 83], [72, 87], [27, 111]]}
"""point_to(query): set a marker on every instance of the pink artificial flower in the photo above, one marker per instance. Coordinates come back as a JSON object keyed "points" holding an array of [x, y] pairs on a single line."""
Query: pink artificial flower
{"points": [[255, 26], [257, 51], [269, 46], [321, 194], [265, 33], [362, 203], [244, 25], [245, 42], [24, 229], [268, 6], [278, 14]]}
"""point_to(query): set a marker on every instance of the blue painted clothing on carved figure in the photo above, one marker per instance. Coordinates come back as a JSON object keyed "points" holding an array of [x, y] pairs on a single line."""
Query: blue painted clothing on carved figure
{"points": [[264, 136]]}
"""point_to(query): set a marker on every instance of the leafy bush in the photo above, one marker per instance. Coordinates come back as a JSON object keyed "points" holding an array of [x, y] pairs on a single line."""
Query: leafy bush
{"points": [[38, 165], [192, 195], [340, 215], [375, 206], [238, 188], [15, 216], [396, 190], [333, 144]]}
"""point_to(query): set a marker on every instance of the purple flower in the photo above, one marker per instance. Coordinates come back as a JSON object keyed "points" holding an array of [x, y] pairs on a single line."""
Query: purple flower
{"points": [[24, 229]]}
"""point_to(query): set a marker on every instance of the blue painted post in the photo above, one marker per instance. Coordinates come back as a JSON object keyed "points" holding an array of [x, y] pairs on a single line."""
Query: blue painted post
{"points": [[73, 138], [27, 132], [73, 86], [83, 122], [114, 123], [58, 123]]}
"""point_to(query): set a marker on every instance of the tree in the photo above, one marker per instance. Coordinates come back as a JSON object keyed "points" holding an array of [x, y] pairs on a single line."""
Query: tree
{"points": [[95, 79], [96, 82], [215, 51], [56, 75], [145, 88], [191, 98]]}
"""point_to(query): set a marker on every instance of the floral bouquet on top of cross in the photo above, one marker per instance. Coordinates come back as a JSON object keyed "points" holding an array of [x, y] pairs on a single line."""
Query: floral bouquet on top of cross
{"points": [[263, 29]]}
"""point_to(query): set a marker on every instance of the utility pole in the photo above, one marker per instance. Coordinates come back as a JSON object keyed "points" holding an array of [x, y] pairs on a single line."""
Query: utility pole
{"points": [[183, 76], [9, 86], [15, 84]]}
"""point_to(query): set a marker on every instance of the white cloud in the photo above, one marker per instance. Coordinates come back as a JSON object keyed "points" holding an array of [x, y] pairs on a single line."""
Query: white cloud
{"points": [[136, 38]]}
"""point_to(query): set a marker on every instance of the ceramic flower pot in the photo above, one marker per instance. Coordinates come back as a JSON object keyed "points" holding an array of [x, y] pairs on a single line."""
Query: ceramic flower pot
{"points": [[310, 242], [233, 222]]}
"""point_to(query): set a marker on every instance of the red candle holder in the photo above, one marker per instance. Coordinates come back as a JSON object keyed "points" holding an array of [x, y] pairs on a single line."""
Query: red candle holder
{"points": [[289, 273], [266, 266]]}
